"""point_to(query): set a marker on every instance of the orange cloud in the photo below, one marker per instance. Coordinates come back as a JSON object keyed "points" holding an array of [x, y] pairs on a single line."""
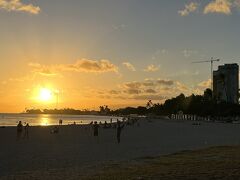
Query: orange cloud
{"points": [[160, 87], [151, 91], [83, 65], [219, 6], [205, 84], [42, 69], [151, 68], [141, 91], [165, 82], [129, 66], [17, 5], [86, 65], [191, 7]]}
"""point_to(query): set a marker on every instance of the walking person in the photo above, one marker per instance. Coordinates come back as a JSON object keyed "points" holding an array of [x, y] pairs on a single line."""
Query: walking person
{"points": [[95, 129], [19, 130], [119, 130], [60, 121], [26, 131], [110, 123]]}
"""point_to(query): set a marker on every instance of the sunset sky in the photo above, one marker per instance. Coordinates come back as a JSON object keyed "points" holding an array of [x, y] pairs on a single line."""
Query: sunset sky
{"points": [[121, 53]]}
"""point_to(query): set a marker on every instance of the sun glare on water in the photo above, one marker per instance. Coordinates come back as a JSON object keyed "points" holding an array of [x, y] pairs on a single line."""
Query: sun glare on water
{"points": [[45, 94], [44, 121]]}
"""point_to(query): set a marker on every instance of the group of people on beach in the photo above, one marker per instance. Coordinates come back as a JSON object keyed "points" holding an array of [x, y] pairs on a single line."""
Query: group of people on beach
{"points": [[22, 131], [119, 126]]}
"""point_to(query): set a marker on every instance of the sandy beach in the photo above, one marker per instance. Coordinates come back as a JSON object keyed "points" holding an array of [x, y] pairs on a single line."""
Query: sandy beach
{"points": [[74, 147]]}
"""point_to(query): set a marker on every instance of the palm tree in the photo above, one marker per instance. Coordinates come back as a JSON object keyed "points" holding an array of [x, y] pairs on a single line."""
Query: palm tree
{"points": [[149, 104]]}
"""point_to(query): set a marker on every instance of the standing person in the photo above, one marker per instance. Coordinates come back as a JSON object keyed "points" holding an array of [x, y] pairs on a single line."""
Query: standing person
{"points": [[26, 131], [105, 125], [19, 130], [111, 122], [95, 129], [119, 130]]}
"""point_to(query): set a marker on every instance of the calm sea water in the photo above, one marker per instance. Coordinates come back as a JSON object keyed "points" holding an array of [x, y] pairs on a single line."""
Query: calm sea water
{"points": [[47, 119]]}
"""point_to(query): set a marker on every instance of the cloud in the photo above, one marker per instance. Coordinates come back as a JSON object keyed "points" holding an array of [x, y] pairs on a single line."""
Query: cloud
{"points": [[189, 8], [133, 91], [165, 82], [17, 5], [83, 65], [151, 68], [133, 85], [205, 84], [86, 65], [219, 6], [148, 82], [158, 90], [180, 87], [214, 6], [202, 86], [42, 69], [151, 91], [148, 97], [151, 87], [129, 66], [115, 92]]}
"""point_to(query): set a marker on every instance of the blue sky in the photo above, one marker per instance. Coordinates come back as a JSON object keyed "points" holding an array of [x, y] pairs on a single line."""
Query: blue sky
{"points": [[140, 32]]}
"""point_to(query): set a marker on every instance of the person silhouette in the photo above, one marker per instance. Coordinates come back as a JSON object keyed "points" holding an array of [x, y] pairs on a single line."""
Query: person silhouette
{"points": [[110, 123], [119, 130], [19, 130], [26, 131], [95, 129], [105, 125]]}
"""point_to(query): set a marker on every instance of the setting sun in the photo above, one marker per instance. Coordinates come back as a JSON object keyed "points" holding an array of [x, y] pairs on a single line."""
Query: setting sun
{"points": [[45, 94]]}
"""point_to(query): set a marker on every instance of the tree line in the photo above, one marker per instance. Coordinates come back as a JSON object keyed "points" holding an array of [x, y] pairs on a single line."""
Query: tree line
{"points": [[201, 105]]}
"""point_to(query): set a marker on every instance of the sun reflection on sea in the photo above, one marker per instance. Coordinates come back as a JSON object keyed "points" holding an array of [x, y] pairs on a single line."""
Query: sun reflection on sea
{"points": [[44, 121]]}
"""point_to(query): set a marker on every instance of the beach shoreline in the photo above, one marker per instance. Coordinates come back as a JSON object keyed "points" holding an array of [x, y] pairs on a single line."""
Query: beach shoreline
{"points": [[75, 146]]}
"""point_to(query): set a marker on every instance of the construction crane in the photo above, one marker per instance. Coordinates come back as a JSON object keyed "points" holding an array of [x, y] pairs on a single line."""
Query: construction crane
{"points": [[211, 61]]}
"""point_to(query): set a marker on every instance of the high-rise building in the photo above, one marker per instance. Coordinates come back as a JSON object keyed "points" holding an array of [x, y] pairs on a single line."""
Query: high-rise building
{"points": [[226, 83]]}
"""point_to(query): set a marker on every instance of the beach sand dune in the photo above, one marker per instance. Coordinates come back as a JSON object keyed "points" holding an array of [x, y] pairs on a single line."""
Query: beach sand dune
{"points": [[75, 146]]}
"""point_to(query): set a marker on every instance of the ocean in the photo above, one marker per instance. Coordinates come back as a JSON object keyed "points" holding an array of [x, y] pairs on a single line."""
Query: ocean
{"points": [[51, 119]]}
